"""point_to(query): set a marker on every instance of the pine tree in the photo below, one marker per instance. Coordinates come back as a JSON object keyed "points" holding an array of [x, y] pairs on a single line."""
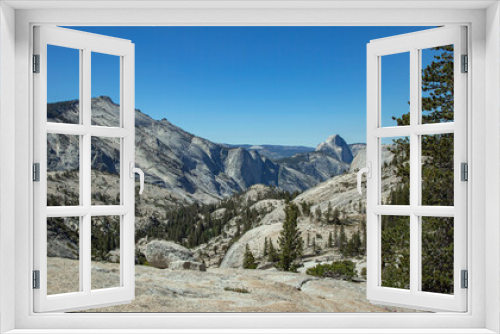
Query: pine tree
{"points": [[330, 240], [265, 246], [318, 214], [238, 229], [336, 235], [248, 259], [272, 255], [342, 240], [329, 213], [336, 217], [290, 240]]}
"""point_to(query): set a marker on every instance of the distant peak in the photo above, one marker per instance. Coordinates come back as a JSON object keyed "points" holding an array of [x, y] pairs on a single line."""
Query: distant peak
{"points": [[334, 136], [336, 146], [103, 98], [332, 141]]}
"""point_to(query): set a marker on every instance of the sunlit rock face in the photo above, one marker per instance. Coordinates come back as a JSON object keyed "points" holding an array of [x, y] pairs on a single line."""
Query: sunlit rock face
{"points": [[191, 168]]}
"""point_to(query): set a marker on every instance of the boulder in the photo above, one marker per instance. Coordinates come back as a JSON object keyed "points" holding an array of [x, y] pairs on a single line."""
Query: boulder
{"points": [[187, 265], [114, 256], [161, 254]]}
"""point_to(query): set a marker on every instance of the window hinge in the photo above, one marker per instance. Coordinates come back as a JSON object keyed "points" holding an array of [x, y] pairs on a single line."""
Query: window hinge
{"points": [[465, 279], [464, 171], [36, 63], [36, 279], [36, 172], [465, 63]]}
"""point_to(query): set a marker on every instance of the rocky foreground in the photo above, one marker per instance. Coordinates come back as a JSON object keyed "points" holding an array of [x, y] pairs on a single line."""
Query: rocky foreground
{"points": [[222, 290]]}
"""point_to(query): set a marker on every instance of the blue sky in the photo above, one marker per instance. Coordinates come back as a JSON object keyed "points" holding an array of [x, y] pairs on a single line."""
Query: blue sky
{"points": [[247, 85]]}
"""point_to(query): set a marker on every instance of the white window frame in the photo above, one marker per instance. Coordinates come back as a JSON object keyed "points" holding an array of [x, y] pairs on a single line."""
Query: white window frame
{"points": [[482, 19], [413, 43], [86, 44]]}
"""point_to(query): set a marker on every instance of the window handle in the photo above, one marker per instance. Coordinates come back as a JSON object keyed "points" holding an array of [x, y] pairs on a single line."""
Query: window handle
{"points": [[139, 171], [368, 171]]}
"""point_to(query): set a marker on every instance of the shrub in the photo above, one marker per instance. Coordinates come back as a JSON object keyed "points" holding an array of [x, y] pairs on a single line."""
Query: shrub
{"points": [[340, 269], [238, 290]]}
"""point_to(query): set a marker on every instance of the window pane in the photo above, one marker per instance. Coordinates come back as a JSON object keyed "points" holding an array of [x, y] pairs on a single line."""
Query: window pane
{"points": [[395, 252], [395, 90], [395, 171], [63, 84], [105, 252], [63, 166], [437, 254], [437, 170], [105, 90], [437, 84], [105, 171], [63, 253]]}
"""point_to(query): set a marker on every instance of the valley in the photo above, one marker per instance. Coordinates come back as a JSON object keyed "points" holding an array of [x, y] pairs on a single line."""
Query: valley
{"points": [[205, 204]]}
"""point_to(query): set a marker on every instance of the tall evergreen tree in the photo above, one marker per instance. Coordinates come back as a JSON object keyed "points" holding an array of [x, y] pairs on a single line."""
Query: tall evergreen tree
{"points": [[318, 214], [290, 240], [336, 217], [342, 240], [248, 259], [238, 229], [328, 215], [272, 254], [336, 240]]}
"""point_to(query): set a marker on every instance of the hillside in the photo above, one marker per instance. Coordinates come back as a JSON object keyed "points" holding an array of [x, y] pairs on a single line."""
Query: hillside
{"points": [[193, 169], [275, 152]]}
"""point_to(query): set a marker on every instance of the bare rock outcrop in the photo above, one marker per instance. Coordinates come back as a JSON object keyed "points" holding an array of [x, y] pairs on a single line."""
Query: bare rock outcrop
{"points": [[255, 240], [187, 265], [161, 254]]}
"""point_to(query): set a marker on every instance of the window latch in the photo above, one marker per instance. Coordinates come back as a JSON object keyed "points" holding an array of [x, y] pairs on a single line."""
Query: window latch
{"points": [[132, 171], [368, 171]]}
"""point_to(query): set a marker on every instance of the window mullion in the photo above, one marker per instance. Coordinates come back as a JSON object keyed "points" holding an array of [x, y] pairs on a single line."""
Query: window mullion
{"points": [[414, 170], [417, 121], [85, 167]]}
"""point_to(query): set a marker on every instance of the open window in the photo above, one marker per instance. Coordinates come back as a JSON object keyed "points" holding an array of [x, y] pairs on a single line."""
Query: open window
{"points": [[67, 158], [417, 241]]}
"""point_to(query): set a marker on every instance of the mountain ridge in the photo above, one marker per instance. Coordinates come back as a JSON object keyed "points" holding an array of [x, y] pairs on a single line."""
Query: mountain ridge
{"points": [[194, 168], [274, 152]]}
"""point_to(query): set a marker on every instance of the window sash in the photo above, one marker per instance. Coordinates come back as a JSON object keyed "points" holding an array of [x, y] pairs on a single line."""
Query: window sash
{"points": [[412, 43], [86, 297]]}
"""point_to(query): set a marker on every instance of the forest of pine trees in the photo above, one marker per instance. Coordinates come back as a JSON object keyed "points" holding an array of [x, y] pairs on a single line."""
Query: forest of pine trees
{"points": [[194, 224]]}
